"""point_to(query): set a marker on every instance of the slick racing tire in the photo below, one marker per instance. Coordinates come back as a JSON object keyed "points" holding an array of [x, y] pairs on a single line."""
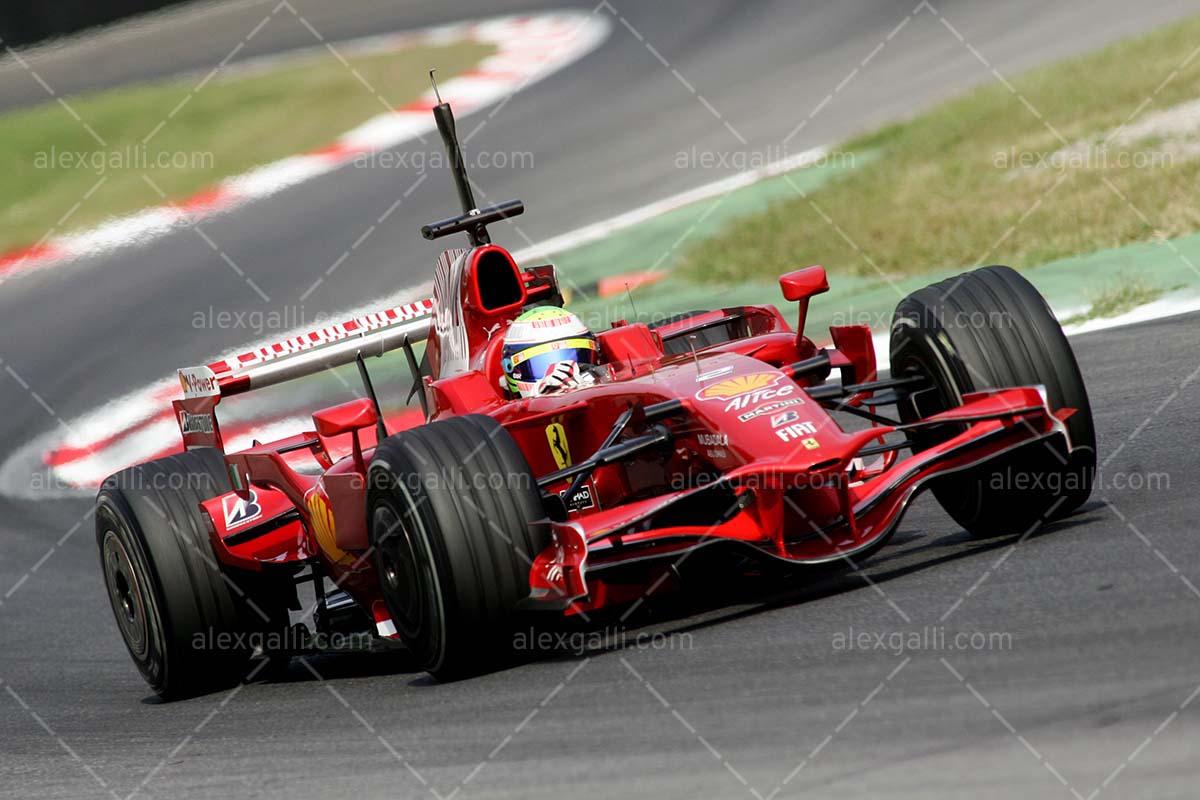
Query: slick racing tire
{"points": [[185, 619], [453, 512], [991, 329]]}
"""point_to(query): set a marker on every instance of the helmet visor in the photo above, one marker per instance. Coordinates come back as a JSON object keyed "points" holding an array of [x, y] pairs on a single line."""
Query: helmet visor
{"points": [[532, 364]]}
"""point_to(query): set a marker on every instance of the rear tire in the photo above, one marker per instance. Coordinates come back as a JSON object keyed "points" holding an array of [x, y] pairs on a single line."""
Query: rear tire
{"points": [[180, 612], [991, 329], [452, 510]]}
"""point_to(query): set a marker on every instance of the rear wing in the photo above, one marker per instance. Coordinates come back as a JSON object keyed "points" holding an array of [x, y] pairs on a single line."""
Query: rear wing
{"points": [[372, 334], [308, 354]]}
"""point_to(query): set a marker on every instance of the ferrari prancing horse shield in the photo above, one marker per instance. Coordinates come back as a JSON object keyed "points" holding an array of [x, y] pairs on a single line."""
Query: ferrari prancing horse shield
{"points": [[556, 435]]}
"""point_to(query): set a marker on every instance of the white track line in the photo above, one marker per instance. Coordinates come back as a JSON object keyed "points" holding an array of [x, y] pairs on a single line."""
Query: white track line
{"points": [[598, 230]]}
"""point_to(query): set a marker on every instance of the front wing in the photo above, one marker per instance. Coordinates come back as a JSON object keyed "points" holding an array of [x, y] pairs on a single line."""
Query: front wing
{"points": [[786, 510]]}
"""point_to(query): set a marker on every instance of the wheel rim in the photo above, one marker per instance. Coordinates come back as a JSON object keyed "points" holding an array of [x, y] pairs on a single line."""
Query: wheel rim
{"points": [[930, 400], [960, 496], [404, 573], [125, 593], [939, 395]]}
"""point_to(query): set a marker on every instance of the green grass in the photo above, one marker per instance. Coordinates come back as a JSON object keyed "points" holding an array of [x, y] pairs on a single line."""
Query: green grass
{"points": [[1117, 299], [229, 126], [940, 195]]}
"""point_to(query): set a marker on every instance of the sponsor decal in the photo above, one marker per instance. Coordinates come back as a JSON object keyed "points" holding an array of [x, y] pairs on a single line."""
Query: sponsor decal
{"points": [[810, 444], [713, 439], [239, 512], [324, 527], [556, 435], [327, 335], [739, 386], [384, 625], [797, 430], [582, 499], [780, 420], [757, 396], [768, 408], [719, 372], [195, 423], [553, 322], [717, 453], [199, 382]]}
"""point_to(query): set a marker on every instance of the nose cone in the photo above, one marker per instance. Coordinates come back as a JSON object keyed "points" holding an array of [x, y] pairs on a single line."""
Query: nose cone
{"points": [[757, 412]]}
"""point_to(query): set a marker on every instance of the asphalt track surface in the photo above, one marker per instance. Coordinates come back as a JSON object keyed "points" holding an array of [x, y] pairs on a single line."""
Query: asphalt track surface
{"points": [[1091, 690]]}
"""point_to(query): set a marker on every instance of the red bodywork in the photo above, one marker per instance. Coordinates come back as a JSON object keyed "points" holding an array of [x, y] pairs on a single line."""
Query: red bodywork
{"points": [[753, 462]]}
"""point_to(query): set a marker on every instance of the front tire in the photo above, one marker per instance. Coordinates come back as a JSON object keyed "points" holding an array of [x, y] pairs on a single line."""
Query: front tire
{"points": [[455, 518], [991, 329]]}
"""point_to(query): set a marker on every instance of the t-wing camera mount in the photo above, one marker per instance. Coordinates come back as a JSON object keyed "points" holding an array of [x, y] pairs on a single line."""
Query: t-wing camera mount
{"points": [[473, 221]]}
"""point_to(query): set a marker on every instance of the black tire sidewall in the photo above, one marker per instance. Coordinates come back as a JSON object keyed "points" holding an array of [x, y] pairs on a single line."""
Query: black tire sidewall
{"points": [[199, 618], [111, 517]]}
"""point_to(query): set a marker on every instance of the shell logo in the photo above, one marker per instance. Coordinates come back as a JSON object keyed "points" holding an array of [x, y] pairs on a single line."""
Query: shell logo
{"points": [[732, 387], [324, 528]]}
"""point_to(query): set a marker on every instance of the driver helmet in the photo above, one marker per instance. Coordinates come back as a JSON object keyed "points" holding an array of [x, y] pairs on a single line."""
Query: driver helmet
{"points": [[540, 339]]}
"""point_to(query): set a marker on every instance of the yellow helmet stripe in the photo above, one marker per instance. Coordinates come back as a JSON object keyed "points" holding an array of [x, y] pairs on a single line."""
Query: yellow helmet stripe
{"points": [[561, 344]]}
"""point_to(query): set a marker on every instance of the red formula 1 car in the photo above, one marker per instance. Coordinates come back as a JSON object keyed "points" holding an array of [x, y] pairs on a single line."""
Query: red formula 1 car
{"points": [[714, 430]]}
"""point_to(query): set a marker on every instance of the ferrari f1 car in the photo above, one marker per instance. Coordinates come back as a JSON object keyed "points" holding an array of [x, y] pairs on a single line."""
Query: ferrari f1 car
{"points": [[714, 430]]}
